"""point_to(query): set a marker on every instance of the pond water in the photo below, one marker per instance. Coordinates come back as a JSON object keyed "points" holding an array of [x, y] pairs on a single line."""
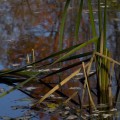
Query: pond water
{"points": [[17, 106], [10, 103], [25, 27]]}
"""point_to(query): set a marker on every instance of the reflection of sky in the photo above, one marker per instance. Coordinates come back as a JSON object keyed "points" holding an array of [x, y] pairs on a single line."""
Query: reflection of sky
{"points": [[1, 67], [12, 99], [39, 31], [9, 100]]}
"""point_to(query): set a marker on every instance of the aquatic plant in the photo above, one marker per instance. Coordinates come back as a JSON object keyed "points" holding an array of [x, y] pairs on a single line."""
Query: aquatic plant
{"points": [[100, 59]]}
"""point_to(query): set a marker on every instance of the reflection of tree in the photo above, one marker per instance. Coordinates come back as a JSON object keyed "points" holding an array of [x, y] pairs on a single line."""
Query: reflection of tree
{"points": [[34, 24], [39, 22], [114, 42], [117, 48], [6, 32], [114, 39]]}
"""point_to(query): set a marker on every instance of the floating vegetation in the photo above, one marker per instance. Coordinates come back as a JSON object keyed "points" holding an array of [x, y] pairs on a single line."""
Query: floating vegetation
{"points": [[1, 90], [18, 118]]}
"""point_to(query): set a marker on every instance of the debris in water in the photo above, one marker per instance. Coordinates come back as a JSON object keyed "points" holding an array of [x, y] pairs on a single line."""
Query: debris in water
{"points": [[25, 99], [95, 115], [71, 117], [15, 64], [2, 90], [19, 107], [75, 88], [5, 118], [107, 115], [23, 118], [87, 115], [67, 108], [54, 69], [52, 105], [96, 111], [113, 110], [30, 88], [66, 112]]}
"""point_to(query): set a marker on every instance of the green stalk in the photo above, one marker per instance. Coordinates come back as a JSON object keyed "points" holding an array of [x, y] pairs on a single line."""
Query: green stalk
{"points": [[92, 19], [100, 26], [99, 17], [78, 20], [105, 23], [108, 84], [19, 85], [39, 61], [94, 40], [62, 26]]}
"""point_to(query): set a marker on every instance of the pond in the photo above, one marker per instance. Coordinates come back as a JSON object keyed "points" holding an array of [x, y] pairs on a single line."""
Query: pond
{"points": [[29, 31], [12, 106]]}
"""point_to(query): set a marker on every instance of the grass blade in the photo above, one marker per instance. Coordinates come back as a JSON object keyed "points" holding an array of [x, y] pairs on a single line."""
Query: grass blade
{"points": [[78, 20], [65, 68], [19, 85], [72, 96], [92, 19], [77, 56], [71, 58], [94, 40], [105, 23], [63, 23], [48, 57], [99, 17]]}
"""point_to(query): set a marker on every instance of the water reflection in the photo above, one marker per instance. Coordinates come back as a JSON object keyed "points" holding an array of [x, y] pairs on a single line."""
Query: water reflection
{"points": [[8, 102], [21, 31]]}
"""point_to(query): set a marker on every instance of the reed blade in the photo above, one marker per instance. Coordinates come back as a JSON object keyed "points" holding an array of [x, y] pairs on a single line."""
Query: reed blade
{"points": [[94, 40], [94, 33], [72, 96], [62, 26], [39, 61], [19, 85], [78, 20]]}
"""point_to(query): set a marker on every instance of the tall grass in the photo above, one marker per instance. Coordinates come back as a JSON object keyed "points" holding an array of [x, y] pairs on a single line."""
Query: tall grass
{"points": [[103, 63]]}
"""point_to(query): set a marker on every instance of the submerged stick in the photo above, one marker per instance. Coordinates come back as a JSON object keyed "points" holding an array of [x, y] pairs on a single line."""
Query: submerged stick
{"points": [[87, 85], [72, 96], [57, 86], [58, 92]]}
